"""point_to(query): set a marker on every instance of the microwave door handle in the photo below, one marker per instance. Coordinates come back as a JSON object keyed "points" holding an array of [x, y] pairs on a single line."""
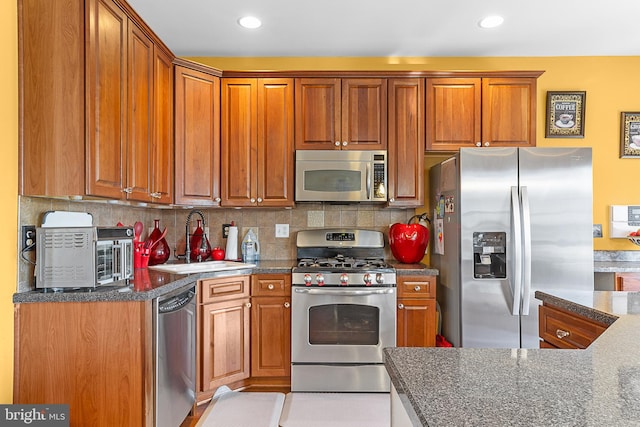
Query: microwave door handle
{"points": [[117, 262], [368, 172]]}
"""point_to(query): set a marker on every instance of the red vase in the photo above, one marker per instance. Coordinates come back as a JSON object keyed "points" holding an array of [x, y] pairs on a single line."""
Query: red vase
{"points": [[195, 244], [160, 252]]}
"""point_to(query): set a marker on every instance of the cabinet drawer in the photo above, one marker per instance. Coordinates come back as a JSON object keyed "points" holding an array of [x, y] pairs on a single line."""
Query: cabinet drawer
{"points": [[566, 330], [214, 290], [417, 287], [270, 285]]}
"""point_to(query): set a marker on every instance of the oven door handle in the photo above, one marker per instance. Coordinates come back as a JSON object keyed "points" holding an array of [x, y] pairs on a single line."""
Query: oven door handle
{"points": [[344, 292]]}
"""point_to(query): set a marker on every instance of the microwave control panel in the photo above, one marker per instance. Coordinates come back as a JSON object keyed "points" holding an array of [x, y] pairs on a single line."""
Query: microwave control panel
{"points": [[624, 220]]}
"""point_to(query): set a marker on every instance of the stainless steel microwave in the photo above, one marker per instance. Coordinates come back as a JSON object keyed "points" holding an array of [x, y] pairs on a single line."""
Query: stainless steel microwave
{"points": [[341, 176], [83, 257]]}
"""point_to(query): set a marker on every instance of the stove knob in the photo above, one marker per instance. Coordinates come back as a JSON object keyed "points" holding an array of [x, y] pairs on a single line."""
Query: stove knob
{"points": [[367, 279], [307, 279], [379, 278], [344, 279], [320, 279]]}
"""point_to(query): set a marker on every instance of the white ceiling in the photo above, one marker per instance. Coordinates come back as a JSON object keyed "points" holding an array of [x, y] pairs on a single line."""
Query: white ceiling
{"points": [[431, 28]]}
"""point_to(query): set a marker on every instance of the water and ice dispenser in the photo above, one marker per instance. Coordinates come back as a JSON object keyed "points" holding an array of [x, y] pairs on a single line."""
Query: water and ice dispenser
{"points": [[489, 255]]}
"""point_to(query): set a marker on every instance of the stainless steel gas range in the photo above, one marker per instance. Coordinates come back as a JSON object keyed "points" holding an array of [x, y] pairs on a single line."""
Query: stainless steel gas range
{"points": [[343, 311]]}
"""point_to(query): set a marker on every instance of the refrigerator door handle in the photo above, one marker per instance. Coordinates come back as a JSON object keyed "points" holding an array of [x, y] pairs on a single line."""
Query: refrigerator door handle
{"points": [[516, 281], [526, 244]]}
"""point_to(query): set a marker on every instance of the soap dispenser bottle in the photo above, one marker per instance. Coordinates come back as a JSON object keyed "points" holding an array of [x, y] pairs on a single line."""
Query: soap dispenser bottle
{"points": [[250, 247]]}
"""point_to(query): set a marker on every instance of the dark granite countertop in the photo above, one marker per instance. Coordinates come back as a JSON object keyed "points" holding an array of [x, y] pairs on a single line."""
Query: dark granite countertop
{"points": [[148, 284], [598, 386]]}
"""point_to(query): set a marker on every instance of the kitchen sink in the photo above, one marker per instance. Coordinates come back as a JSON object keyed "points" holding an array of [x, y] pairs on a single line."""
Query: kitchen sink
{"points": [[201, 267]]}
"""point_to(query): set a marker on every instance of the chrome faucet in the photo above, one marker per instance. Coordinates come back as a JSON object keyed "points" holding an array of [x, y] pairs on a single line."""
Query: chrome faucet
{"points": [[203, 242]]}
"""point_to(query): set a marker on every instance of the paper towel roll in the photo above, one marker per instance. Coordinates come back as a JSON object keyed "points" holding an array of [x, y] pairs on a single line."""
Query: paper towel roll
{"points": [[231, 253]]}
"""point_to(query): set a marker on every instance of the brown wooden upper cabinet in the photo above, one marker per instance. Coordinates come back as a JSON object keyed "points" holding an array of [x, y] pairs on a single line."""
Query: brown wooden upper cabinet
{"points": [[341, 114], [406, 142], [480, 112], [96, 115], [197, 135], [257, 142]]}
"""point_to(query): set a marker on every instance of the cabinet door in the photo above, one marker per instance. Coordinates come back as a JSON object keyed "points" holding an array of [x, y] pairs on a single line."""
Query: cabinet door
{"points": [[106, 98], [627, 282], [52, 104], [453, 113], [416, 322], [225, 343], [317, 114], [162, 142], [364, 114], [275, 143], [239, 139], [270, 336], [197, 138], [509, 111], [140, 115], [406, 143]]}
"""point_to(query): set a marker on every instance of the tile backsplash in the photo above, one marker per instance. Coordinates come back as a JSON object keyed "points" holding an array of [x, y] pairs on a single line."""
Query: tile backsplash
{"points": [[262, 220]]}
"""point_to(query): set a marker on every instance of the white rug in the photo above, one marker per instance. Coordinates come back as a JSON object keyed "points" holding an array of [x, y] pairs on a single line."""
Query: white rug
{"points": [[336, 410]]}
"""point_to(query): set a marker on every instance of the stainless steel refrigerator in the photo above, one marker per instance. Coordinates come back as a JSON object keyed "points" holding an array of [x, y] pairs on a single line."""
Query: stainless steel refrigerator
{"points": [[508, 222]]}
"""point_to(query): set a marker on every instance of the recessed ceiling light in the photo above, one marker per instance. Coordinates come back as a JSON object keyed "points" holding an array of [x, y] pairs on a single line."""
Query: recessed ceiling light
{"points": [[249, 22], [491, 21]]}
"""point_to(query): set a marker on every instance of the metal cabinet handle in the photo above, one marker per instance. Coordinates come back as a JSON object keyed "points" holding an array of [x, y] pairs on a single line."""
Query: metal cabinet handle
{"points": [[127, 190], [270, 286], [337, 144], [217, 199], [259, 199], [417, 288], [478, 144], [562, 334], [252, 200], [400, 306], [287, 305], [486, 144], [344, 143], [155, 195], [248, 305]]}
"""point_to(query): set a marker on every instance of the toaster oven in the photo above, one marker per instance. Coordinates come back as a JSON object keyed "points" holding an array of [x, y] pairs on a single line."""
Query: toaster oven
{"points": [[83, 257]]}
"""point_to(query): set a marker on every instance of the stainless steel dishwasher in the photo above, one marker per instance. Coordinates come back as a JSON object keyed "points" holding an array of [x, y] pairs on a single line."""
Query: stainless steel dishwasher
{"points": [[174, 326]]}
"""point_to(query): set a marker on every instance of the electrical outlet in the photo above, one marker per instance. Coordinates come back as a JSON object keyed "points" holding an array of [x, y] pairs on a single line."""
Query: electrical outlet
{"points": [[225, 230], [28, 238], [282, 230]]}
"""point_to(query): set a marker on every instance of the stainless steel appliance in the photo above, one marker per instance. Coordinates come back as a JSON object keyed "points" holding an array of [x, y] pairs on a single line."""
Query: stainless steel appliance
{"points": [[341, 176], [343, 311], [174, 326], [83, 257], [508, 222]]}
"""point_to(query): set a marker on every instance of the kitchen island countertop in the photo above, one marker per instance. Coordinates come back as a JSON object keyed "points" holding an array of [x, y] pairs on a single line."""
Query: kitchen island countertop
{"points": [[598, 386]]}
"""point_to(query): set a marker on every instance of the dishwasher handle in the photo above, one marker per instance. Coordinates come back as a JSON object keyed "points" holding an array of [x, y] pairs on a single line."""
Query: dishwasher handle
{"points": [[177, 302]]}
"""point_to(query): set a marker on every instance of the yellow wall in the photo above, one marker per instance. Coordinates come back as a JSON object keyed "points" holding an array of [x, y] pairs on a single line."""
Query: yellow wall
{"points": [[611, 83], [8, 190]]}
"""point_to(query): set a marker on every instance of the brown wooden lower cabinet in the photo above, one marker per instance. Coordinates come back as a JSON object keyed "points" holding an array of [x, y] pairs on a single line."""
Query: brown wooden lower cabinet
{"points": [[97, 357], [559, 328], [627, 281], [244, 333], [222, 333], [271, 329], [416, 311]]}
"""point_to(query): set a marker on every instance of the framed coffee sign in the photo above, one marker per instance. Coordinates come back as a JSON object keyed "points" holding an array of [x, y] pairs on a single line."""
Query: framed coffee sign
{"points": [[565, 114], [630, 135]]}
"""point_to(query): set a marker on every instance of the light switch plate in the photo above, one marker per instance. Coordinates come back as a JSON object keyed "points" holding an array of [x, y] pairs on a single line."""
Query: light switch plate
{"points": [[282, 230]]}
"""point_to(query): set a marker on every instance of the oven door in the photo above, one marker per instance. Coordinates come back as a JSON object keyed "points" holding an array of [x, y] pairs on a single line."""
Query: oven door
{"points": [[338, 325]]}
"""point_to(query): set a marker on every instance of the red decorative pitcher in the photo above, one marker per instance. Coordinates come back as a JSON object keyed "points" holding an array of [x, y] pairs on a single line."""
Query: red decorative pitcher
{"points": [[160, 251]]}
